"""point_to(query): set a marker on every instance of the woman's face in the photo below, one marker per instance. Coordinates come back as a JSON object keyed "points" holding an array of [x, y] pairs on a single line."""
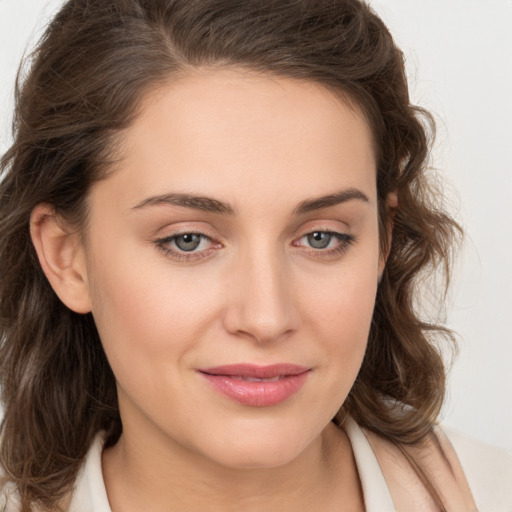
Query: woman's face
{"points": [[232, 261]]}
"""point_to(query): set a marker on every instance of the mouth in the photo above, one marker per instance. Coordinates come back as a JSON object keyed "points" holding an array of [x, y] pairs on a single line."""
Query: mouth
{"points": [[257, 386]]}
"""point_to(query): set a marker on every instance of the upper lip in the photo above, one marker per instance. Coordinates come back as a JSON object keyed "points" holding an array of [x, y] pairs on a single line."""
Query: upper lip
{"points": [[256, 371]]}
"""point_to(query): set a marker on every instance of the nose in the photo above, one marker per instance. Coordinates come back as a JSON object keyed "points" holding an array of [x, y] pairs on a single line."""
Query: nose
{"points": [[261, 300]]}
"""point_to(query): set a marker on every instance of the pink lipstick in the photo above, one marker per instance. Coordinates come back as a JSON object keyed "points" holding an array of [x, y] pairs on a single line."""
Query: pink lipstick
{"points": [[257, 386]]}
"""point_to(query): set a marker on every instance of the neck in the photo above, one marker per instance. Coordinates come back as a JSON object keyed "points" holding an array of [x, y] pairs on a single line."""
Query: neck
{"points": [[147, 470]]}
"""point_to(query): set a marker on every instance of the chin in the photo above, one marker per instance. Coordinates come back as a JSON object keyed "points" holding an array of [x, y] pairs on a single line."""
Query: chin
{"points": [[262, 450]]}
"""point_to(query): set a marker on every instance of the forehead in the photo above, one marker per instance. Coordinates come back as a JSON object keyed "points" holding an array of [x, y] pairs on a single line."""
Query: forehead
{"points": [[222, 131]]}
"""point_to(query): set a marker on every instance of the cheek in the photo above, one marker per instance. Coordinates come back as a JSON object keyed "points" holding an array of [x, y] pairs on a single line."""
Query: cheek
{"points": [[343, 296], [347, 299], [346, 321], [337, 309], [147, 315], [336, 315]]}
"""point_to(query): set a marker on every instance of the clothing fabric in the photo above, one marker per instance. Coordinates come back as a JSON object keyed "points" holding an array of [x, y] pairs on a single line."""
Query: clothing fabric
{"points": [[488, 472], [472, 476]]}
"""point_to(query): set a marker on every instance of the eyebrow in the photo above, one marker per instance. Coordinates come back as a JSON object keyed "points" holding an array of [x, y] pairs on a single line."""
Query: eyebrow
{"points": [[209, 204], [342, 196], [206, 204]]}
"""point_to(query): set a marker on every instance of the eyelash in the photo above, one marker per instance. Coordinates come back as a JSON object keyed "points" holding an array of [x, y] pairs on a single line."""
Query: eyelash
{"points": [[345, 241], [180, 255]]}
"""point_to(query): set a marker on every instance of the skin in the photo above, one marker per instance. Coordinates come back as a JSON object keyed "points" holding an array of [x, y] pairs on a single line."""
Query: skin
{"points": [[254, 291]]}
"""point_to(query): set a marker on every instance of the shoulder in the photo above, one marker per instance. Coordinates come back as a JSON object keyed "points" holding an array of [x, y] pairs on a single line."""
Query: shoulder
{"points": [[89, 493], [488, 471], [466, 474], [9, 501]]}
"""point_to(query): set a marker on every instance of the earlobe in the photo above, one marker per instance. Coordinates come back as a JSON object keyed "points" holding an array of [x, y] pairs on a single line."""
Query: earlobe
{"points": [[61, 256]]}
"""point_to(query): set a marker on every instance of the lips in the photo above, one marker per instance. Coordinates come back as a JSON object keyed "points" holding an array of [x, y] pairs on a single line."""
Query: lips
{"points": [[257, 386]]}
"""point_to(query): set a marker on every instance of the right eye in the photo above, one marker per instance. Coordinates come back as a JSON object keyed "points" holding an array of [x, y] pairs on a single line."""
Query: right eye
{"points": [[186, 246], [188, 242]]}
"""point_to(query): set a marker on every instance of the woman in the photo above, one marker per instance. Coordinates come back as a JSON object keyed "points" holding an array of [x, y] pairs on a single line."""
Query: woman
{"points": [[213, 218]]}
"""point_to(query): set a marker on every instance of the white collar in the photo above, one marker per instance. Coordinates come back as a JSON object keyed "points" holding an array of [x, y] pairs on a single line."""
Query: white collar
{"points": [[377, 497], [90, 494]]}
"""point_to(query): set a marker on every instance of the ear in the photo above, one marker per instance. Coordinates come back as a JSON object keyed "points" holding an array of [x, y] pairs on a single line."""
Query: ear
{"points": [[391, 206], [62, 258]]}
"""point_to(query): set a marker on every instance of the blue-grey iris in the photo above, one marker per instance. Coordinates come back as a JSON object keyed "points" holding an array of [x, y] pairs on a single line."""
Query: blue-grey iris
{"points": [[187, 242], [319, 239]]}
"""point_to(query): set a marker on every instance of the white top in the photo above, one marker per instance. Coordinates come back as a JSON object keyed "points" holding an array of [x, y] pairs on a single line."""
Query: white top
{"points": [[488, 471]]}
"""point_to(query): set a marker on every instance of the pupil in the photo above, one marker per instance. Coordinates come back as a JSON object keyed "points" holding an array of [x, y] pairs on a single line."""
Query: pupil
{"points": [[319, 240], [188, 242]]}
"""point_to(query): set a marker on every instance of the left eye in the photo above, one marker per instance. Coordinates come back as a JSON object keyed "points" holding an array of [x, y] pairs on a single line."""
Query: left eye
{"points": [[188, 242], [325, 240], [325, 243]]}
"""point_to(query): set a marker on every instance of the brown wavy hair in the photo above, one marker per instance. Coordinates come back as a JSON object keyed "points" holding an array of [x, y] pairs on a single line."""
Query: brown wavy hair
{"points": [[79, 88]]}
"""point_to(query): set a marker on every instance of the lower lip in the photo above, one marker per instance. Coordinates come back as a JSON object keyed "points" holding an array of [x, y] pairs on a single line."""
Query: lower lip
{"points": [[260, 393]]}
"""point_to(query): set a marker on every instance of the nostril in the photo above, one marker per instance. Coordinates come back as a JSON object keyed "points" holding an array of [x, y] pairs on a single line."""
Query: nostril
{"points": [[260, 302]]}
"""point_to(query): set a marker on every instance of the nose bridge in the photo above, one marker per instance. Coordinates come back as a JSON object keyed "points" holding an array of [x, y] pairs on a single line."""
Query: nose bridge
{"points": [[261, 299]]}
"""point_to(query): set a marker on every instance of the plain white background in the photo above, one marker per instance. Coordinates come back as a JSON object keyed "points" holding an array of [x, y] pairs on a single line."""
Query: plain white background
{"points": [[459, 61]]}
